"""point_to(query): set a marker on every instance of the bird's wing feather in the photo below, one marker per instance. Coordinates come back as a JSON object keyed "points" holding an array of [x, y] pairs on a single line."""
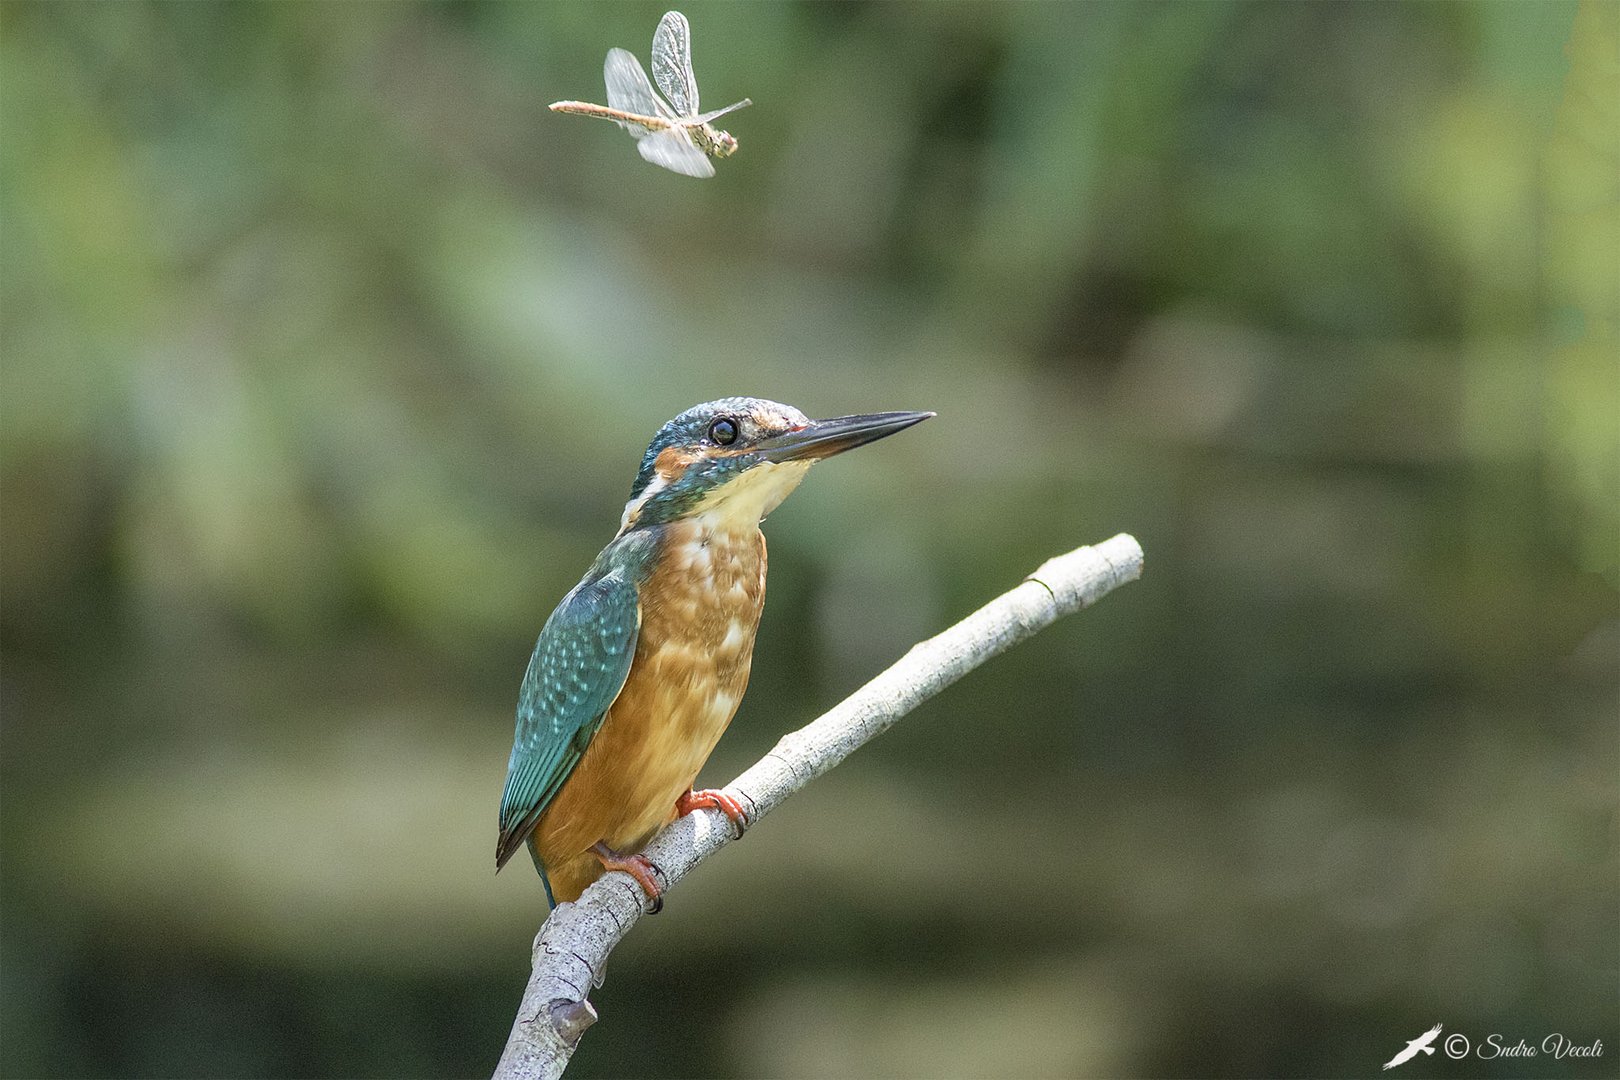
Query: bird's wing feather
{"points": [[577, 670]]}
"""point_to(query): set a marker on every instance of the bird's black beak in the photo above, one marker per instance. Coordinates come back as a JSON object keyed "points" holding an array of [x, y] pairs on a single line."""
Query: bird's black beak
{"points": [[824, 438]]}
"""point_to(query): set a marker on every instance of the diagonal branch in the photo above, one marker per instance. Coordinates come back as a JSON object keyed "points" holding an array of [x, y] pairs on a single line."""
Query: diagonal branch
{"points": [[574, 943]]}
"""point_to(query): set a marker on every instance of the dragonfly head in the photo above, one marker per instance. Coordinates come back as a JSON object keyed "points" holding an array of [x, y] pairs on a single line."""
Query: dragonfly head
{"points": [[733, 460], [725, 143]]}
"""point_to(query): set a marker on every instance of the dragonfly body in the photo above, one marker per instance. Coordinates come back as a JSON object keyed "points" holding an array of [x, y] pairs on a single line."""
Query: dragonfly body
{"points": [[668, 129], [708, 138]]}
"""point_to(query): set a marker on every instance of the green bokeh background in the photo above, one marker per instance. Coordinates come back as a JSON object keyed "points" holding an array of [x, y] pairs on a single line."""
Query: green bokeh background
{"points": [[329, 353]]}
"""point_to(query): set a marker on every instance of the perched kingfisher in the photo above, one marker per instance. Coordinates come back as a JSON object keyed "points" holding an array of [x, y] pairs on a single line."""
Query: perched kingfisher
{"points": [[642, 665]]}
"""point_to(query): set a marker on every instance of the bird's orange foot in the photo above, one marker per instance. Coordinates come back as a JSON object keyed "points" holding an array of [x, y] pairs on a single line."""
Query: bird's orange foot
{"points": [[713, 799], [637, 866]]}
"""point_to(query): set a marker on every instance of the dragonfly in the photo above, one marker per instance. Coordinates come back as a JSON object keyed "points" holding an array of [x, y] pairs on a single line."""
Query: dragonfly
{"points": [[669, 130]]}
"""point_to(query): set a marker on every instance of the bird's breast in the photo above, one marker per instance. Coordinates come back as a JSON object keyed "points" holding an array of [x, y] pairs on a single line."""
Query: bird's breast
{"points": [[700, 610]]}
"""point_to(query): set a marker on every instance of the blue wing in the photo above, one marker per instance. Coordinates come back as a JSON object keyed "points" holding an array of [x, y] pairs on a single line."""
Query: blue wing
{"points": [[578, 668]]}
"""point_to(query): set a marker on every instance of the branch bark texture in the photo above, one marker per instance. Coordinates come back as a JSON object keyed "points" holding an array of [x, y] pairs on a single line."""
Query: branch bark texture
{"points": [[573, 945]]}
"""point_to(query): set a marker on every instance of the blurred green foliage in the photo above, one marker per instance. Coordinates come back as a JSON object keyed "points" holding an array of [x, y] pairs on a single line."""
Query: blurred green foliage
{"points": [[328, 355]]}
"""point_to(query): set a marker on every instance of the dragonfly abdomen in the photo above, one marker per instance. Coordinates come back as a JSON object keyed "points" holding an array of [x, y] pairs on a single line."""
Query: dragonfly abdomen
{"points": [[618, 116]]}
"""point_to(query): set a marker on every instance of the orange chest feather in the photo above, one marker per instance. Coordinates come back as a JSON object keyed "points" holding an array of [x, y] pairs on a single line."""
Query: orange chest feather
{"points": [[699, 614], [704, 599]]}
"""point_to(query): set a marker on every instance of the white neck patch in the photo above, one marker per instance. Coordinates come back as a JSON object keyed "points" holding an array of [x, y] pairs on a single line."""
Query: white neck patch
{"points": [[632, 508]]}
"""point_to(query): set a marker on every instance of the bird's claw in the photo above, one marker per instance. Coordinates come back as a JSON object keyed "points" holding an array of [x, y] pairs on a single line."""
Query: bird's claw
{"points": [[637, 866], [713, 799]]}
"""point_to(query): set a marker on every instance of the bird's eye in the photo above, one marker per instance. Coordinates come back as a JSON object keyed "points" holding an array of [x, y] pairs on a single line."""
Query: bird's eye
{"points": [[723, 431]]}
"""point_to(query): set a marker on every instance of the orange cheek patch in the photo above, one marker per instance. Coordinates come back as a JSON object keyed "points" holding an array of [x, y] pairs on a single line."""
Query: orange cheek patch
{"points": [[672, 463]]}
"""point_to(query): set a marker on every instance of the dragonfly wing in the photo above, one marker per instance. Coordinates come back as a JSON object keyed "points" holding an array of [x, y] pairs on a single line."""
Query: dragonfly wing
{"points": [[716, 114], [629, 91], [674, 150], [672, 63]]}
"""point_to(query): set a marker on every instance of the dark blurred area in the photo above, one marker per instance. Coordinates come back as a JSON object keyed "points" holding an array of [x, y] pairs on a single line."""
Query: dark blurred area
{"points": [[329, 355]]}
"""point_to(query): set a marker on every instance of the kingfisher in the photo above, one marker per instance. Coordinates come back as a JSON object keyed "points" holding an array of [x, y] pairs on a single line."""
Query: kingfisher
{"points": [[641, 666]]}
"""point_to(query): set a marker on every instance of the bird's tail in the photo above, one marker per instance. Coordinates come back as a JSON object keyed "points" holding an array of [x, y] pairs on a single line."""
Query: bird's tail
{"points": [[540, 868]]}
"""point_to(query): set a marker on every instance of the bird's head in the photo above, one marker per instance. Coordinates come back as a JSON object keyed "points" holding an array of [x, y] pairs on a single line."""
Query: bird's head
{"points": [[736, 459]]}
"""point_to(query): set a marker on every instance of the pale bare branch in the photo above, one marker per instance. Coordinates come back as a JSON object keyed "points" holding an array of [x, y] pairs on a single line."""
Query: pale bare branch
{"points": [[574, 943]]}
